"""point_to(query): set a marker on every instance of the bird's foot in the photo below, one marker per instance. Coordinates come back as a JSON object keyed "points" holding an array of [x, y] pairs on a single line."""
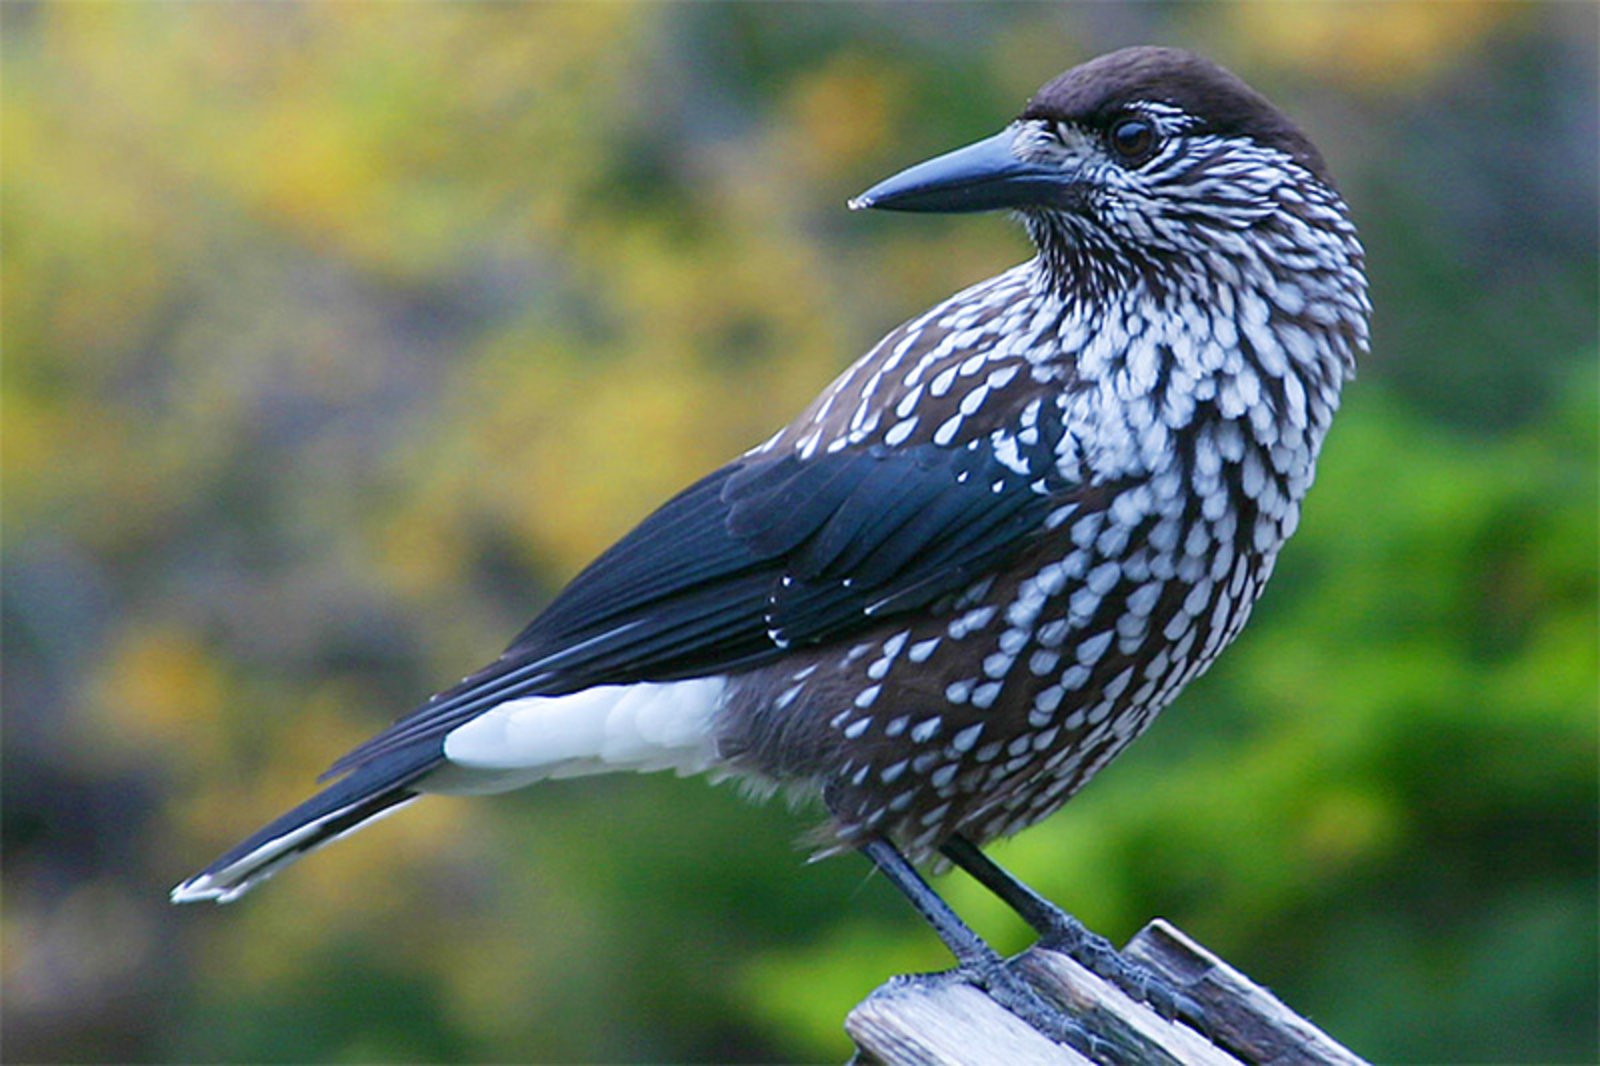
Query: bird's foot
{"points": [[1011, 990], [1097, 955]]}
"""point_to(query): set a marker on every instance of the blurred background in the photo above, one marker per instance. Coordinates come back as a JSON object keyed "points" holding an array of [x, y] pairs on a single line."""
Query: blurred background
{"points": [[338, 336]]}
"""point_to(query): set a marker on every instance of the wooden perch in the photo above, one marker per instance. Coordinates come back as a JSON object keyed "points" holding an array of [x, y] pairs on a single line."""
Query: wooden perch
{"points": [[953, 1024]]}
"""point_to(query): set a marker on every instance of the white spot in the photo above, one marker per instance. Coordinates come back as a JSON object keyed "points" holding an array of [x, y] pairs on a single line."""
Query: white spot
{"points": [[1090, 650], [1164, 536], [899, 432], [1219, 614], [1176, 626], [925, 730], [1113, 541], [1053, 578], [907, 406], [1118, 684], [1005, 453], [1252, 475], [1103, 578], [1131, 630], [1055, 518], [1022, 614], [1199, 596], [1082, 605], [922, 649], [1143, 599], [1130, 507], [1001, 377], [972, 620], [964, 740], [973, 401], [1075, 678], [1052, 634], [1086, 529], [857, 727]]}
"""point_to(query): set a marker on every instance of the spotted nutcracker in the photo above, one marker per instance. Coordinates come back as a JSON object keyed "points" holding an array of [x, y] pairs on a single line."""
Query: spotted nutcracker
{"points": [[985, 557]]}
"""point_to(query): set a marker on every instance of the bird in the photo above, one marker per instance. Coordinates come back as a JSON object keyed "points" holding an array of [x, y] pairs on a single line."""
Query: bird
{"points": [[985, 557]]}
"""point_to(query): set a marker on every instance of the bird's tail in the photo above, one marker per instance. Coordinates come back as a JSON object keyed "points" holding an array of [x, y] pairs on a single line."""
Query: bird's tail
{"points": [[368, 793]]}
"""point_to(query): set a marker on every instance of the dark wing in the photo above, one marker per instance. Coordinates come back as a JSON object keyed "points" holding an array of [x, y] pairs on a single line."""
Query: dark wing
{"points": [[767, 553]]}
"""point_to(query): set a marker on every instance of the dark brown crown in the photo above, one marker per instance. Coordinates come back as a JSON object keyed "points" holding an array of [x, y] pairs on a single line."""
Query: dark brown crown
{"points": [[1098, 91]]}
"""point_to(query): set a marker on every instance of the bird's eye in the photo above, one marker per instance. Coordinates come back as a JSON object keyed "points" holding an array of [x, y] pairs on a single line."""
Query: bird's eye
{"points": [[1133, 139]]}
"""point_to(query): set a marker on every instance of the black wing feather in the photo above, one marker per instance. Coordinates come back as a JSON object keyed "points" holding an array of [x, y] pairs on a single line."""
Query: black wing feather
{"points": [[778, 516], [766, 553], [883, 500], [680, 546]]}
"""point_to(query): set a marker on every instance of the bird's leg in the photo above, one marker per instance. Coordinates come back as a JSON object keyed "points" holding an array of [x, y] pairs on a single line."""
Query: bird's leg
{"points": [[978, 963], [1061, 932]]}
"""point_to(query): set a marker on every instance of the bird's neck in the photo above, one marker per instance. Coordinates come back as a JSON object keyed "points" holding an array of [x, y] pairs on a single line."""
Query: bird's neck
{"points": [[1146, 361], [1294, 279]]}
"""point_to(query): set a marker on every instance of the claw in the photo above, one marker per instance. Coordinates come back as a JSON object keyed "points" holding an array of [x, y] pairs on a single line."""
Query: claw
{"points": [[1097, 955], [1160, 996], [1015, 994]]}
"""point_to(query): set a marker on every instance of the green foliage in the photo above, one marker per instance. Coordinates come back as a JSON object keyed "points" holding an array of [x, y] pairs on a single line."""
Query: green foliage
{"points": [[337, 336]]}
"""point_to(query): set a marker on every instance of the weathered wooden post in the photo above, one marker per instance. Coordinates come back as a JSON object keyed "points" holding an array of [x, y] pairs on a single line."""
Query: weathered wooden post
{"points": [[955, 1024]]}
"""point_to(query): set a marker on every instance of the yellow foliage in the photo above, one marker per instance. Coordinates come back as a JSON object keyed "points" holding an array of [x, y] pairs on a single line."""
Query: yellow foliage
{"points": [[1376, 47], [841, 114], [420, 547], [159, 690]]}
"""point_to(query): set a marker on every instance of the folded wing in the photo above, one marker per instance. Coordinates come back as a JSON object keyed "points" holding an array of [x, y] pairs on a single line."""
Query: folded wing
{"points": [[767, 553]]}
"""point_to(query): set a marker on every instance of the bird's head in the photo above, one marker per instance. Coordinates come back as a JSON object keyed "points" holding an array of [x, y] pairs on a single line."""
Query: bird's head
{"points": [[1144, 163]]}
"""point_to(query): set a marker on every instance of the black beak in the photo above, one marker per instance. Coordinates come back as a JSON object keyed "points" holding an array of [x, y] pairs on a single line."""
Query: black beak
{"points": [[985, 176]]}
